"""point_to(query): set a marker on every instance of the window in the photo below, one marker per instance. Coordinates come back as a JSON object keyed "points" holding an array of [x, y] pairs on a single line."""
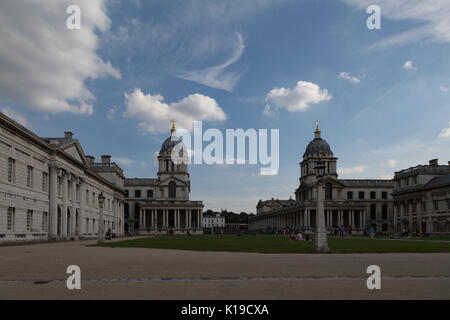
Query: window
{"points": [[44, 226], [137, 208], [29, 177], [384, 195], [11, 170], [93, 199], [384, 212], [127, 193], [137, 193], [29, 220], [149, 193], [328, 191], [126, 211], [349, 195], [436, 205], [373, 195], [448, 203], [172, 189], [59, 186], [44, 181], [87, 196], [87, 225], [361, 195], [373, 212], [424, 206], [10, 219]]}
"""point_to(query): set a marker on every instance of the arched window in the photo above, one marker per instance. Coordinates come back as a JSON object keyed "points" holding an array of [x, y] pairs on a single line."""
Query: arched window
{"points": [[328, 191], [172, 189]]}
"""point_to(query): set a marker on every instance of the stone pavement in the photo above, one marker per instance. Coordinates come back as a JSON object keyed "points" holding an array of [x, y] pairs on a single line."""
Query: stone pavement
{"points": [[38, 271]]}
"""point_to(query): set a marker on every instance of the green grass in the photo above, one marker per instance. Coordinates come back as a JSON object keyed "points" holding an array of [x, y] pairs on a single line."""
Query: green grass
{"points": [[281, 244]]}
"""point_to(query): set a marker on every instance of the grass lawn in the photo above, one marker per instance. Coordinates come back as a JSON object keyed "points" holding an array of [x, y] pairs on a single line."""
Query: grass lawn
{"points": [[281, 244]]}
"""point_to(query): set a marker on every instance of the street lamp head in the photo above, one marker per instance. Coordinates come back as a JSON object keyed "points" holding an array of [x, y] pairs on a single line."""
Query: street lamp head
{"points": [[320, 168], [101, 199]]}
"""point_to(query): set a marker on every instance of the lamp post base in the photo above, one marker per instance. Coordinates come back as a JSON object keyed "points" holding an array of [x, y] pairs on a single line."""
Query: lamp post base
{"points": [[321, 243]]}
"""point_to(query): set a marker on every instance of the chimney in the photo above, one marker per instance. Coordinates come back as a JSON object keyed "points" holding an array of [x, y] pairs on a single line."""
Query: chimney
{"points": [[434, 163], [106, 158], [68, 135], [90, 159]]}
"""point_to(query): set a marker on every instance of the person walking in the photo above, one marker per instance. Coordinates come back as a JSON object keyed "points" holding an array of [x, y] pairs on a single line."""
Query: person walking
{"points": [[372, 232]]}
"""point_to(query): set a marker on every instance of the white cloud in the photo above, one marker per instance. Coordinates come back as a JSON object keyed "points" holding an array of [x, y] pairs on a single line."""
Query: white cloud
{"points": [[300, 98], [444, 89], [430, 15], [268, 111], [409, 65], [215, 76], [155, 114], [386, 176], [44, 64], [19, 118], [111, 113], [445, 133], [127, 162], [353, 170], [392, 163], [349, 78]]}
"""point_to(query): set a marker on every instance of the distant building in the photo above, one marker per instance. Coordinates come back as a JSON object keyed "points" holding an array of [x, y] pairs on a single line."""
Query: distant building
{"points": [[49, 188], [216, 221], [356, 203], [161, 205], [422, 199]]}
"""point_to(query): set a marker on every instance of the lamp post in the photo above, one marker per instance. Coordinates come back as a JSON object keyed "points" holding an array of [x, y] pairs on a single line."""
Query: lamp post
{"points": [[320, 241], [101, 231]]}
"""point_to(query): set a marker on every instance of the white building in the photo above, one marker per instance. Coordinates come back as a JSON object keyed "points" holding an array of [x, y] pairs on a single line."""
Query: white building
{"points": [[161, 205], [350, 203], [49, 188], [216, 221]]}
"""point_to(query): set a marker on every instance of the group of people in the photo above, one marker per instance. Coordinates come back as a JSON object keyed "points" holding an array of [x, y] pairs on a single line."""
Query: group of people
{"points": [[300, 236]]}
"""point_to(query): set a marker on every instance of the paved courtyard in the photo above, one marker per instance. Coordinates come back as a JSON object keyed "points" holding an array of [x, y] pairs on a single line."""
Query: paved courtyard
{"points": [[38, 271]]}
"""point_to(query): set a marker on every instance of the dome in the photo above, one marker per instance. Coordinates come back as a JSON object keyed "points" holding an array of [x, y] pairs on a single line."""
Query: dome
{"points": [[317, 145], [169, 143]]}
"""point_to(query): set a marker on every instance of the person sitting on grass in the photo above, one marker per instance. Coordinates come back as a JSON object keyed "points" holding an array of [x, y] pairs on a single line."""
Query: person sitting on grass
{"points": [[292, 236], [308, 238], [300, 236]]}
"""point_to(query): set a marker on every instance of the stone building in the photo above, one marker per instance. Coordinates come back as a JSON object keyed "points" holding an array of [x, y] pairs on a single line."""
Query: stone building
{"points": [[422, 199], [359, 203], [49, 188], [161, 205]]}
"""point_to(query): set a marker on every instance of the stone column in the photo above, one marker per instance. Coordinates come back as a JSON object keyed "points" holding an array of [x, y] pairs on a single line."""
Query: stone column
{"points": [[81, 210], [410, 220], [73, 217], [53, 206], [320, 241], [145, 218], [419, 217], [64, 206]]}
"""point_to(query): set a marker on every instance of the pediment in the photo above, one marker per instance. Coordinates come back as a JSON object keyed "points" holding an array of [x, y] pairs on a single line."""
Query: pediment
{"points": [[166, 181], [75, 150]]}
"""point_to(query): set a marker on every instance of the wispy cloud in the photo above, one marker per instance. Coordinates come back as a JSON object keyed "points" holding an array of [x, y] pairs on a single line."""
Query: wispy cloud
{"points": [[444, 89], [348, 77], [432, 15], [217, 76], [353, 170], [19, 118]]}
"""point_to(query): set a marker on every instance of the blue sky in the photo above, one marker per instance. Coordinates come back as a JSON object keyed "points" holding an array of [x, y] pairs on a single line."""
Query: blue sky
{"points": [[382, 96]]}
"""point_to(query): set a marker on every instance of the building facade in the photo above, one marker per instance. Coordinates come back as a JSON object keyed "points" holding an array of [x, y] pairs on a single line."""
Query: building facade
{"points": [[213, 221], [49, 188], [422, 199], [356, 203], [162, 205]]}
